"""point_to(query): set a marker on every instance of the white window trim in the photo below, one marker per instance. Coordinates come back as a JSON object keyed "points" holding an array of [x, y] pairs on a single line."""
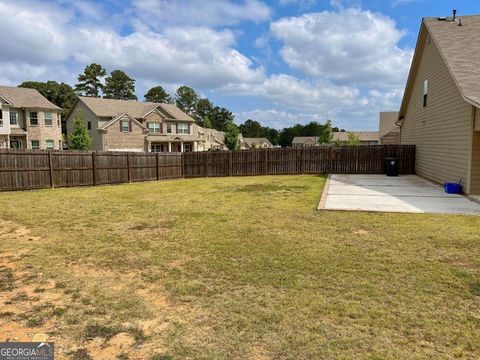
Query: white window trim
{"points": [[182, 128], [16, 118], [154, 127], [30, 118], [53, 144], [36, 147], [50, 118], [123, 126]]}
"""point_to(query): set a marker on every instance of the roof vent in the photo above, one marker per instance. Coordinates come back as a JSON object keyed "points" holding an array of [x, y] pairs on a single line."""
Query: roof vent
{"points": [[442, 18], [454, 15]]}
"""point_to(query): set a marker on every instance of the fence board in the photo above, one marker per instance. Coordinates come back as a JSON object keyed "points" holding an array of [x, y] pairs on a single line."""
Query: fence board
{"points": [[22, 170]]}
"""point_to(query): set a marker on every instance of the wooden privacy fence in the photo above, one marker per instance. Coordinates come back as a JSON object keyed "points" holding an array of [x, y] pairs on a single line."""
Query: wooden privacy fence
{"points": [[22, 170]]}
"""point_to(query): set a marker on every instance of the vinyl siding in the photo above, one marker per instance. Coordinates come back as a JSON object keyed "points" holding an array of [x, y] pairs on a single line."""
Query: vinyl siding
{"points": [[442, 130], [475, 176], [89, 116]]}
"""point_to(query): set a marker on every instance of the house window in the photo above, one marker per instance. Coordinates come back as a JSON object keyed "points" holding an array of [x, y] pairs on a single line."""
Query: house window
{"points": [[48, 119], [154, 127], [50, 144], [425, 92], [169, 128], [89, 125], [156, 148], [187, 148], [125, 126], [35, 144], [182, 128], [13, 118], [33, 118]]}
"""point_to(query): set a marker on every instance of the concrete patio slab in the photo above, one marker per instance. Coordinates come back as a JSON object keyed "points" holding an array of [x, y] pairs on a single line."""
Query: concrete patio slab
{"points": [[408, 193]]}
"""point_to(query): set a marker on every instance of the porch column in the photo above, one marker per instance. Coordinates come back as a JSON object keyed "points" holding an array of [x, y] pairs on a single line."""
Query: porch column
{"points": [[181, 146], [169, 146], [195, 146], [8, 142]]}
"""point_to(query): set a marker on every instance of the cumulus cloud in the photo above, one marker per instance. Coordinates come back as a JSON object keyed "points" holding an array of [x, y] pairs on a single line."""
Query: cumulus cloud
{"points": [[192, 12], [347, 46]]}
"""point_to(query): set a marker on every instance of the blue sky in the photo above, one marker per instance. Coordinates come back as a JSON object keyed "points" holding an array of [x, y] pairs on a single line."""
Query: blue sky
{"points": [[279, 62]]}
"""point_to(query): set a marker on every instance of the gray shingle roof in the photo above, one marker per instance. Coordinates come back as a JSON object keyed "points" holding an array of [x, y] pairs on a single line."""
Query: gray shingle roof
{"points": [[256, 141], [26, 98], [362, 135], [460, 48], [112, 108]]}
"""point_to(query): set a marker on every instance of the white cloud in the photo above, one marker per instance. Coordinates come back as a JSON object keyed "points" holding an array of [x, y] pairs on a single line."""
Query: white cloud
{"points": [[347, 46], [192, 12]]}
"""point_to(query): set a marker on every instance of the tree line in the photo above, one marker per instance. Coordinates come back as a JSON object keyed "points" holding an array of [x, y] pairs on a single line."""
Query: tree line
{"points": [[95, 82]]}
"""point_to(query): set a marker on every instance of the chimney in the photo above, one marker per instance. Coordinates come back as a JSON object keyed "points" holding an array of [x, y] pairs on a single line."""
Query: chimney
{"points": [[454, 14]]}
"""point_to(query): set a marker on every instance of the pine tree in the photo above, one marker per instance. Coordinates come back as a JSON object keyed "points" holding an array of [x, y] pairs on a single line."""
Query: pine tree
{"points": [[120, 86], [158, 94], [90, 83]]}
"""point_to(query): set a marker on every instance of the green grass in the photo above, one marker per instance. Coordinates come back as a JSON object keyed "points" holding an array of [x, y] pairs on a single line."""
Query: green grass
{"points": [[247, 268]]}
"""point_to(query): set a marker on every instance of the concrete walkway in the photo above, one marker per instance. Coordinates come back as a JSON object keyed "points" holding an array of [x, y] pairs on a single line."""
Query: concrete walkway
{"points": [[407, 193]]}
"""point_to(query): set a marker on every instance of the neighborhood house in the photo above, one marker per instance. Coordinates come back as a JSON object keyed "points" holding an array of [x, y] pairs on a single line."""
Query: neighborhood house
{"points": [[254, 143], [28, 120], [125, 125], [440, 108]]}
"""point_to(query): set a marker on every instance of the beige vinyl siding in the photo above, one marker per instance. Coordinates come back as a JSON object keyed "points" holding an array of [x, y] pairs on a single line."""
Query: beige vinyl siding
{"points": [[475, 175], [441, 130], [97, 143]]}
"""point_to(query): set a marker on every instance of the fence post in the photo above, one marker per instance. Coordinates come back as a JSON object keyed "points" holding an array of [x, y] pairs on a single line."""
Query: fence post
{"points": [[302, 159], [265, 162], [94, 170], [50, 168], [182, 161], [128, 168], [230, 165], [157, 161]]}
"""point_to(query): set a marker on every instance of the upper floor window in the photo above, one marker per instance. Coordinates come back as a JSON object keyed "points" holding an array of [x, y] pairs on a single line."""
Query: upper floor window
{"points": [[33, 118], [35, 144], [182, 128], [125, 125], [154, 127], [48, 118], [50, 144], [13, 118], [425, 92], [169, 128], [89, 125]]}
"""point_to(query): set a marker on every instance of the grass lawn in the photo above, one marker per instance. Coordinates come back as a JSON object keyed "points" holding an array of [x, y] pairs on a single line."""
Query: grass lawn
{"points": [[234, 268]]}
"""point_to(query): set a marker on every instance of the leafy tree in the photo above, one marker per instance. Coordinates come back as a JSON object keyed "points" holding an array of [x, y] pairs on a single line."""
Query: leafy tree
{"points": [[79, 138], [252, 129], [186, 99], [221, 117], [60, 94], [120, 86], [326, 135], [158, 94], [231, 136], [204, 113], [352, 138], [89, 82]]}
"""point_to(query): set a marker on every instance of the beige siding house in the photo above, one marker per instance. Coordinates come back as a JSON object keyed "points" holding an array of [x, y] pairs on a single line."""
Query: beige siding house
{"points": [[388, 130], [28, 120], [365, 137], [439, 111], [124, 125], [255, 143]]}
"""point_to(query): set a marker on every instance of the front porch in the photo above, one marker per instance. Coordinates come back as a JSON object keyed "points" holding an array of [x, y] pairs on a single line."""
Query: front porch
{"points": [[13, 142], [173, 146]]}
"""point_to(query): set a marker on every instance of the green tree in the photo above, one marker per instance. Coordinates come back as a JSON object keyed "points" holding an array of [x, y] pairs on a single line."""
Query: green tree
{"points": [[158, 94], [352, 138], [252, 129], [90, 81], [60, 94], [204, 113], [186, 99], [326, 135], [221, 117], [231, 136], [79, 139], [120, 86]]}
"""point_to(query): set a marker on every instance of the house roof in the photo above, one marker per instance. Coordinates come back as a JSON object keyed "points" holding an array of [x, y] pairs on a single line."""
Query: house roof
{"points": [[304, 139], [112, 108], [122, 116], [387, 122], [256, 141], [362, 135], [26, 98], [459, 47]]}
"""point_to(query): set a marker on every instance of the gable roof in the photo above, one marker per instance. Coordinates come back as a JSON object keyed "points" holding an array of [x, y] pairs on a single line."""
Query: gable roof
{"points": [[102, 107], [26, 98], [257, 141], [459, 47], [121, 116], [362, 135], [304, 139], [387, 122]]}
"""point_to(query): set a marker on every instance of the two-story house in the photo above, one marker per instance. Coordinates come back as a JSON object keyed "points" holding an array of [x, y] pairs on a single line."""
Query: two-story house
{"points": [[125, 125], [28, 120]]}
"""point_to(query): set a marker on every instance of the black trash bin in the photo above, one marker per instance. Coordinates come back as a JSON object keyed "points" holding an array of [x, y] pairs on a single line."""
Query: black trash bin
{"points": [[391, 166]]}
